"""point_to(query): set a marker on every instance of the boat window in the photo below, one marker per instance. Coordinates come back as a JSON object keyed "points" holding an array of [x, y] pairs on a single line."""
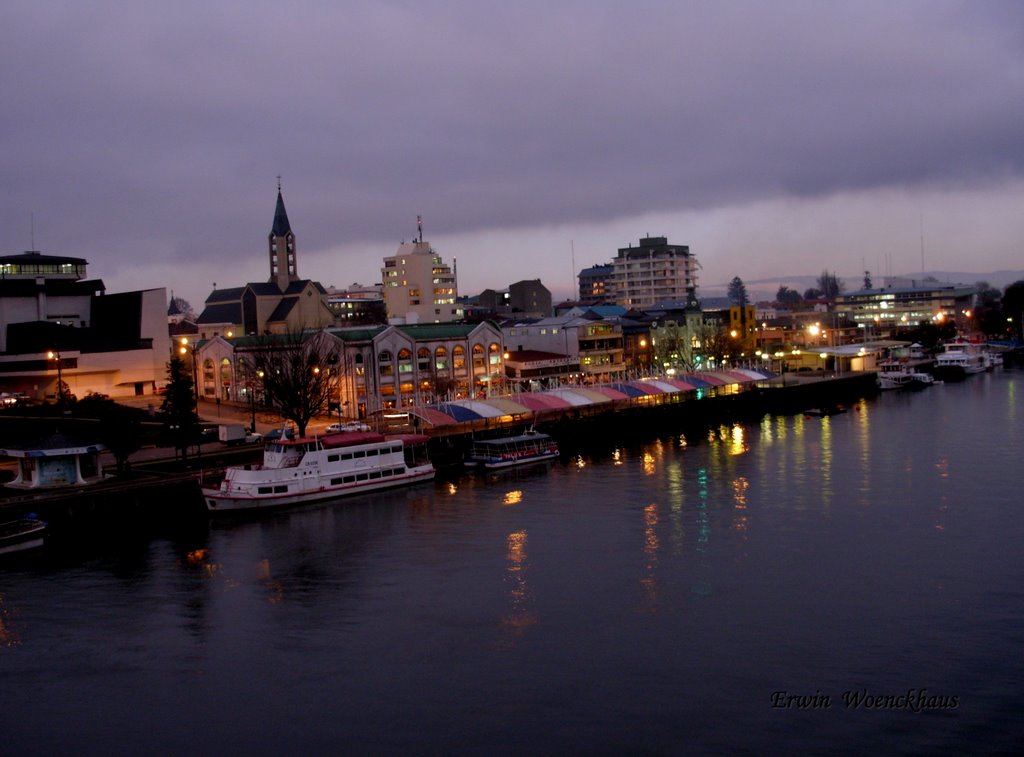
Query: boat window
{"points": [[372, 452], [333, 458], [346, 455], [280, 489], [359, 453], [375, 474], [386, 472], [265, 490], [350, 479], [362, 476], [336, 481]]}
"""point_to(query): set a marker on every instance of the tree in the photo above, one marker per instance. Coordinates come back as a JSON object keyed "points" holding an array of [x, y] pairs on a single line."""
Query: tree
{"points": [[119, 429], [1013, 306], [737, 292], [867, 279], [829, 285], [178, 409], [812, 294], [299, 374], [787, 296], [183, 307]]}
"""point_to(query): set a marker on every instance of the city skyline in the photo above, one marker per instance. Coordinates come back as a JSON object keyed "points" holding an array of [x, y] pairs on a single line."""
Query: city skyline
{"points": [[534, 140]]}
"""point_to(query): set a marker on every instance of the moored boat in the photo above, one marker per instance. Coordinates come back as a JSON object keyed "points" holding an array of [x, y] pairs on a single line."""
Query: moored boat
{"points": [[958, 360], [896, 374], [23, 533], [530, 447], [311, 469]]}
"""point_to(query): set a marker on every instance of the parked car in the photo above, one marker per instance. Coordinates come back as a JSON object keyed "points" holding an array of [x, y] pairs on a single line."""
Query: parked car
{"points": [[336, 428]]}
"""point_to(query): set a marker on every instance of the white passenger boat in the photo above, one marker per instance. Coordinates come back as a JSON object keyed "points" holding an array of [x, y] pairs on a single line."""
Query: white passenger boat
{"points": [[311, 469], [958, 360], [504, 452]]}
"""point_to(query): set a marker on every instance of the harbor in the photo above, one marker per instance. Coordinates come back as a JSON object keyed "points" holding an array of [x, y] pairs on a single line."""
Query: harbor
{"points": [[161, 485]]}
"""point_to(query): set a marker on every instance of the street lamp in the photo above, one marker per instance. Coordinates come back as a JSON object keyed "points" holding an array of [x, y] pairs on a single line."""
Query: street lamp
{"points": [[55, 355], [186, 348]]}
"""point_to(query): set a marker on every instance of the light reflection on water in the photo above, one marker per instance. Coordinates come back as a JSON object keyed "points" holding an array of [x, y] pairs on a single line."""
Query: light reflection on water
{"points": [[640, 600]]}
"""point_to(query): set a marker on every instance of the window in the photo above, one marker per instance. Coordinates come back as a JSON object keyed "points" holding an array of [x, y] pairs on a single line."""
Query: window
{"points": [[479, 361], [459, 359], [386, 367], [423, 359], [404, 361], [441, 359]]}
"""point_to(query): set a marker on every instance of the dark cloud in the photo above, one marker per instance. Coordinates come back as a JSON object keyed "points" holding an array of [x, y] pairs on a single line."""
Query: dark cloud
{"points": [[155, 130]]}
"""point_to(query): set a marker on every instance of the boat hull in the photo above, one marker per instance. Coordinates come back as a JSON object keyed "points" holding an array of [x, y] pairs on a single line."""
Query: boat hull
{"points": [[496, 463], [219, 502]]}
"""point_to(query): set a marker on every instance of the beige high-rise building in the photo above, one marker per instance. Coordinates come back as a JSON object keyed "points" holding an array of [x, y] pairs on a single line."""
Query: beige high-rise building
{"points": [[654, 272], [418, 286]]}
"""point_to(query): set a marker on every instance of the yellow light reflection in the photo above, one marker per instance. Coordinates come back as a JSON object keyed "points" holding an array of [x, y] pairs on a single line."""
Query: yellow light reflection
{"points": [[452, 488], [649, 466], [617, 457], [737, 444], [580, 462], [521, 615], [649, 581], [513, 497]]}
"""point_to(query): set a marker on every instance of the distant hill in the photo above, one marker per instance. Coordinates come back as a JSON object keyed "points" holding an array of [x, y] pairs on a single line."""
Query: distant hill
{"points": [[760, 290]]}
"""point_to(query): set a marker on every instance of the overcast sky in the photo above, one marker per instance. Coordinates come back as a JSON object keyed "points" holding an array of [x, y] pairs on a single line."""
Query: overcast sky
{"points": [[775, 138]]}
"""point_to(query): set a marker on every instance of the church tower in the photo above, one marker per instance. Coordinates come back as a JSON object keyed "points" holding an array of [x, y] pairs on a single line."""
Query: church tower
{"points": [[283, 268]]}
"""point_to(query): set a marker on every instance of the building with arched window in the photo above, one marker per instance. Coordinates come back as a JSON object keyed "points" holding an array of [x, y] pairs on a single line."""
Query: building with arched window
{"points": [[379, 368]]}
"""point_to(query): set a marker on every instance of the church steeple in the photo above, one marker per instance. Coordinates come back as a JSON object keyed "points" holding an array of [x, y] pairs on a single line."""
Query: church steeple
{"points": [[283, 266]]}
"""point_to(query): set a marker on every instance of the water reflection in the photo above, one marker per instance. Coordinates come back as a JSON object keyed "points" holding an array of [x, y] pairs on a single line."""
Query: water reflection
{"points": [[648, 581], [8, 636], [521, 614]]}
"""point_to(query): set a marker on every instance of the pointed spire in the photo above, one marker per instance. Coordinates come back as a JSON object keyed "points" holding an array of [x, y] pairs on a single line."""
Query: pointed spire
{"points": [[281, 226]]}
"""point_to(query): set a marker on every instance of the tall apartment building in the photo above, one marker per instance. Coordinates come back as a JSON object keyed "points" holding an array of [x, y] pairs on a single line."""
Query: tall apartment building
{"points": [[419, 287], [653, 272], [595, 284]]}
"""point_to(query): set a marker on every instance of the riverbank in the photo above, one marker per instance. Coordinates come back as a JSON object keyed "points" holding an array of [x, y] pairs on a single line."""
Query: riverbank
{"points": [[159, 485]]}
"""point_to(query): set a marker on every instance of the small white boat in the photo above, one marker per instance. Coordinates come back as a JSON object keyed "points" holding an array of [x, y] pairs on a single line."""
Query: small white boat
{"points": [[312, 469], [21, 534], [504, 452], [896, 374]]}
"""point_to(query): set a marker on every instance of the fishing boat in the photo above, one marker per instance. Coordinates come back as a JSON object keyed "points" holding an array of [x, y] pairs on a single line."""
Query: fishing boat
{"points": [[504, 452], [312, 469], [24, 533]]}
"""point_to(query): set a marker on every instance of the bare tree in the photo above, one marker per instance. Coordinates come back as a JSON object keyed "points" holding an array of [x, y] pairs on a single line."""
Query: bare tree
{"points": [[298, 373]]}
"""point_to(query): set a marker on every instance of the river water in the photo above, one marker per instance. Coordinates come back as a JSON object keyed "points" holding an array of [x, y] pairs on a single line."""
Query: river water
{"points": [[848, 584]]}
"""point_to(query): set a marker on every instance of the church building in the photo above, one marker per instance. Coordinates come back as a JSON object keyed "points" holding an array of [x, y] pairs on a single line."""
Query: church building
{"points": [[284, 303]]}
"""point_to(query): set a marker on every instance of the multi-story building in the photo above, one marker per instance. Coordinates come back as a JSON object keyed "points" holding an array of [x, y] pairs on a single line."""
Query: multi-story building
{"points": [[902, 303], [596, 284], [652, 272], [419, 287], [524, 299], [62, 333], [595, 342], [357, 305], [378, 368]]}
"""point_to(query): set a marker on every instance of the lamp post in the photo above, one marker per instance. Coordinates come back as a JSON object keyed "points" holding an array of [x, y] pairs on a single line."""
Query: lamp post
{"points": [[55, 355], [187, 348]]}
